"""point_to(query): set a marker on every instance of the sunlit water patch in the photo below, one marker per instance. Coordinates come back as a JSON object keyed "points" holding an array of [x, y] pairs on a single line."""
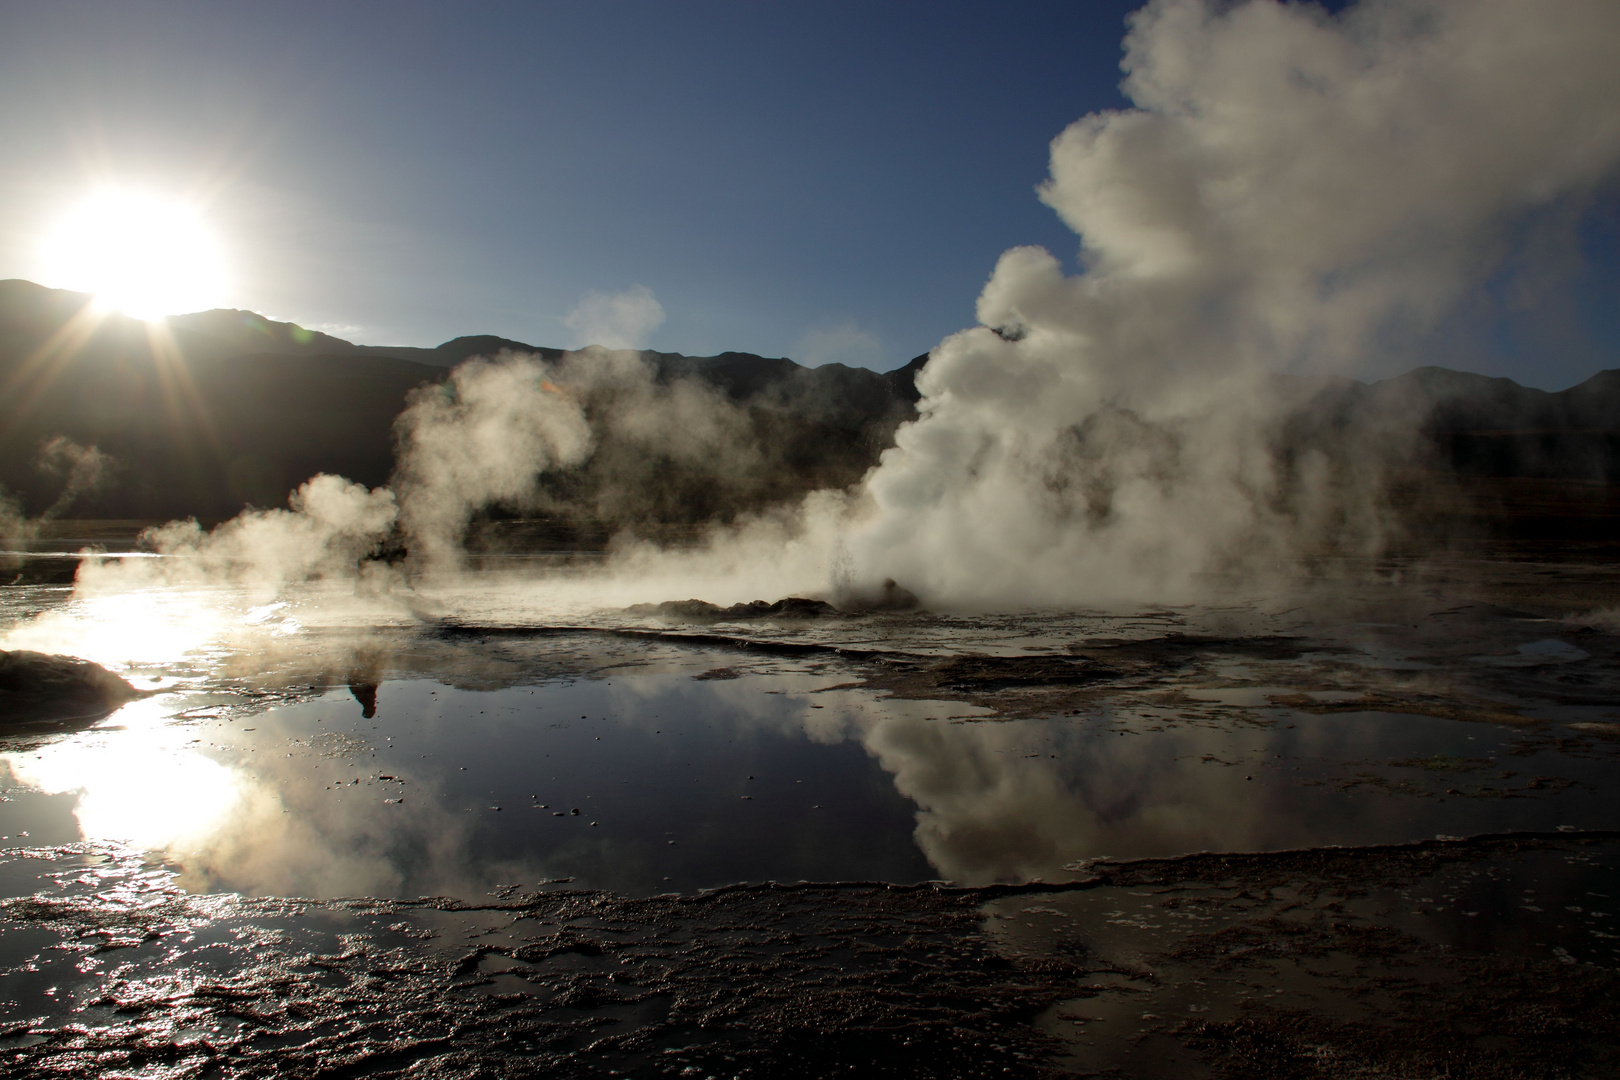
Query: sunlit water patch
{"points": [[649, 765], [323, 744]]}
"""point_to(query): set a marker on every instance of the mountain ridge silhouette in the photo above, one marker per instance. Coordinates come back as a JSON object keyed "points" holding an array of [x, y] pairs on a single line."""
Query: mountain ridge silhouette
{"points": [[218, 410]]}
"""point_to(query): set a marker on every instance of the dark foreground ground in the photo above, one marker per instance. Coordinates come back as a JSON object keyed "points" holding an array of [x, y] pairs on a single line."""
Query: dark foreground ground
{"points": [[1493, 957]]}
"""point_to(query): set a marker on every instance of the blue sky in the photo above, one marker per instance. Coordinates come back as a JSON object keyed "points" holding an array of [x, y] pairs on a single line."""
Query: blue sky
{"points": [[820, 180]]}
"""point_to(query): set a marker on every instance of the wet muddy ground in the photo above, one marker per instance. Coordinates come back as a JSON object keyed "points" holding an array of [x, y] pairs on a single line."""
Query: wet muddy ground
{"points": [[891, 843]]}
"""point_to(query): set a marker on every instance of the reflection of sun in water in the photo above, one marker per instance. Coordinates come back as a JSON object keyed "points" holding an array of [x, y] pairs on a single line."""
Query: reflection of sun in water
{"points": [[153, 793], [143, 626], [139, 253]]}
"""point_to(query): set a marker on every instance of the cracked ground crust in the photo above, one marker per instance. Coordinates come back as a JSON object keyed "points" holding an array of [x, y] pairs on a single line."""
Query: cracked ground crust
{"points": [[801, 981], [1397, 1005]]}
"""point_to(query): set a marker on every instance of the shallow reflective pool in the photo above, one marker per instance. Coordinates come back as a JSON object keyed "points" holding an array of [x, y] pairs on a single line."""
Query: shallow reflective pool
{"points": [[598, 800], [668, 766]]}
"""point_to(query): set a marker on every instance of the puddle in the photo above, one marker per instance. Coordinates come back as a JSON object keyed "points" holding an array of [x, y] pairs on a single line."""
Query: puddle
{"points": [[680, 769], [173, 876]]}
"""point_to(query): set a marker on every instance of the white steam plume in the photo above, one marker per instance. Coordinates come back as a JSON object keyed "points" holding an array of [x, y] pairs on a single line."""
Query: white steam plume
{"points": [[616, 320], [82, 469], [331, 530], [483, 437], [1289, 188]]}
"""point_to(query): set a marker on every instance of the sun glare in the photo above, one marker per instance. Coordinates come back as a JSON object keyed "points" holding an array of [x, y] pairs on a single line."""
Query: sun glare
{"points": [[140, 254]]}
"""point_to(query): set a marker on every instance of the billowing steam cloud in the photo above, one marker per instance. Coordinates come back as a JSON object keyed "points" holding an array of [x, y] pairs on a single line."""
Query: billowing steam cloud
{"points": [[1291, 191], [483, 437], [595, 437], [331, 527]]}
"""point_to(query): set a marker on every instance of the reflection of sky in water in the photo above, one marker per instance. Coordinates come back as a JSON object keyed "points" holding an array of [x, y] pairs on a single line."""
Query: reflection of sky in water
{"points": [[696, 783], [770, 775]]}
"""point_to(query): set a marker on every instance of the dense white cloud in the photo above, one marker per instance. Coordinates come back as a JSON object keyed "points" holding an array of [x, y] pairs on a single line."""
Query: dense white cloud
{"points": [[1290, 189]]}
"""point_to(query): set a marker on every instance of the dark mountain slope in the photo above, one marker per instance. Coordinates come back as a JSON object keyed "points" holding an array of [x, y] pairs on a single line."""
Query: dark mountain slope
{"points": [[1467, 424], [230, 409]]}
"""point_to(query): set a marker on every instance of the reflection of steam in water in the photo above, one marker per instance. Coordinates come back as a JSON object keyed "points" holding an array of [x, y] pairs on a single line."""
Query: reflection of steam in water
{"points": [[363, 780], [1020, 800], [1014, 800], [255, 822], [245, 814], [973, 802]]}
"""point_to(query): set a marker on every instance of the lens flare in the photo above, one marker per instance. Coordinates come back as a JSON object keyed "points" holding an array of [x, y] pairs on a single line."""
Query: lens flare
{"points": [[142, 254]]}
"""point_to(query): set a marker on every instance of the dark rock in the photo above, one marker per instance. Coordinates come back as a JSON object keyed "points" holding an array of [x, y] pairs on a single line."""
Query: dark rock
{"points": [[890, 596], [791, 607], [41, 690], [982, 673]]}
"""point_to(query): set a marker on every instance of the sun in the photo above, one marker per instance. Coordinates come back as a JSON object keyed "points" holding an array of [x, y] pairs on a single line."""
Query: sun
{"points": [[139, 253]]}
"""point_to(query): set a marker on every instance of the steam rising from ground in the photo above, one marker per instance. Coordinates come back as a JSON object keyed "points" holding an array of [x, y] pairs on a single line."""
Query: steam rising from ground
{"points": [[484, 437], [1292, 191], [82, 470], [332, 528]]}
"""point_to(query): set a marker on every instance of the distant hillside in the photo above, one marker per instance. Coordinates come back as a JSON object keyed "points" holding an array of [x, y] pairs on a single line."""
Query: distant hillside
{"points": [[1475, 425], [234, 409]]}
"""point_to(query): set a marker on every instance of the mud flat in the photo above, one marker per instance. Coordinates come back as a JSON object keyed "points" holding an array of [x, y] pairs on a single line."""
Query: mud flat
{"points": [[1366, 829], [1489, 957]]}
